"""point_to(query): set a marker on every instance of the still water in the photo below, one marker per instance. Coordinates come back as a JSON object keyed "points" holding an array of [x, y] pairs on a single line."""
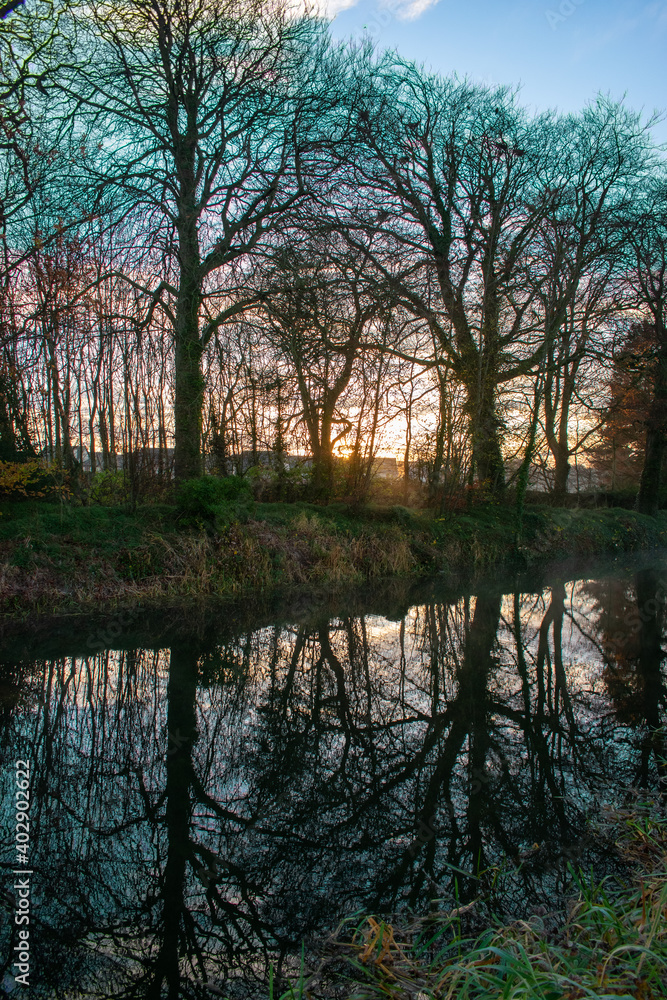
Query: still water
{"points": [[208, 790]]}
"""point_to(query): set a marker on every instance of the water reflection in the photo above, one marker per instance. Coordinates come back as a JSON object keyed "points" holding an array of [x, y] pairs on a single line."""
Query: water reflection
{"points": [[202, 805], [631, 624]]}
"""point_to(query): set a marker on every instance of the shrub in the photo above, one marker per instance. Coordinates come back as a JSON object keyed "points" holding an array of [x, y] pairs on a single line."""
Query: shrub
{"points": [[110, 489], [270, 485], [210, 498], [32, 479]]}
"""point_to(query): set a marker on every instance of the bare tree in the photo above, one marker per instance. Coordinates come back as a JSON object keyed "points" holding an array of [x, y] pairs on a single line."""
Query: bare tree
{"points": [[320, 311], [23, 165], [457, 176], [194, 123], [604, 154]]}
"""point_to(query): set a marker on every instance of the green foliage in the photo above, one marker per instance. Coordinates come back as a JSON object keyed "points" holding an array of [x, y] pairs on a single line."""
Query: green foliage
{"points": [[283, 514], [103, 529], [140, 562], [279, 483], [109, 488], [346, 517], [209, 499], [87, 555], [32, 479]]}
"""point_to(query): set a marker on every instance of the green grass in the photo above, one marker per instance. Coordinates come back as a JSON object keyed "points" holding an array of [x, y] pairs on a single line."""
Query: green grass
{"points": [[284, 514], [611, 942], [105, 527], [59, 557]]}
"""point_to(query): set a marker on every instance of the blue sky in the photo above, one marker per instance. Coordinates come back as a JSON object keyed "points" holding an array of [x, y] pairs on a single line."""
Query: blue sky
{"points": [[562, 52]]}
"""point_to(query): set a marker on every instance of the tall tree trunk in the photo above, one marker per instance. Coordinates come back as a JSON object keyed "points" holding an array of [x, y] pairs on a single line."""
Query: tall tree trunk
{"points": [[439, 445], [523, 476], [649, 486], [188, 376], [188, 382], [111, 421], [656, 442], [561, 470], [323, 456], [560, 444], [487, 453]]}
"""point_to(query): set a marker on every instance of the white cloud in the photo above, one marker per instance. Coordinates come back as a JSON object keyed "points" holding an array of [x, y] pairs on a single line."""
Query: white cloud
{"points": [[413, 9], [329, 8], [402, 10]]}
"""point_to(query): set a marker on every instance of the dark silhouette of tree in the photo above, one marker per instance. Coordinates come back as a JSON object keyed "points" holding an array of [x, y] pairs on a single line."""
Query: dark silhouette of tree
{"points": [[24, 171], [459, 181], [605, 157], [196, 127], [618, 450], [647, 239]]}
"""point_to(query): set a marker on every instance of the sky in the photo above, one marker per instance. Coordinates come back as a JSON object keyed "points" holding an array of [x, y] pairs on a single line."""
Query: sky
{"points": [[561, 52]]}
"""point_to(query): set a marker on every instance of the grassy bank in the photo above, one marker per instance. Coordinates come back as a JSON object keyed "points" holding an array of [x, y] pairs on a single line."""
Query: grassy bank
{"points": [[611, 941], [56, 558]]}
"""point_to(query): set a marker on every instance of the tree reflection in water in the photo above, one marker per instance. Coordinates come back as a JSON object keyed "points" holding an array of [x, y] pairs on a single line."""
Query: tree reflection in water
{"points": [[200, 808], [631, 623]]}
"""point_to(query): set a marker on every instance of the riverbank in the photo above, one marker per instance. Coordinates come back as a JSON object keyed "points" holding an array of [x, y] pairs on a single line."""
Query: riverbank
{"points": [[61, 559], [610, 940]]}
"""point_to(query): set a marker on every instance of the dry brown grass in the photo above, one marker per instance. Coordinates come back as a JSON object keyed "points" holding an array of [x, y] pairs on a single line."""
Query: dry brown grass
{"points": [[242, 559], [84, 568]]}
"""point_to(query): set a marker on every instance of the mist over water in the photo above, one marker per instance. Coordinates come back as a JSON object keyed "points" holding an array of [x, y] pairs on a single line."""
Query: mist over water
{"points": [[202, 804]]}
